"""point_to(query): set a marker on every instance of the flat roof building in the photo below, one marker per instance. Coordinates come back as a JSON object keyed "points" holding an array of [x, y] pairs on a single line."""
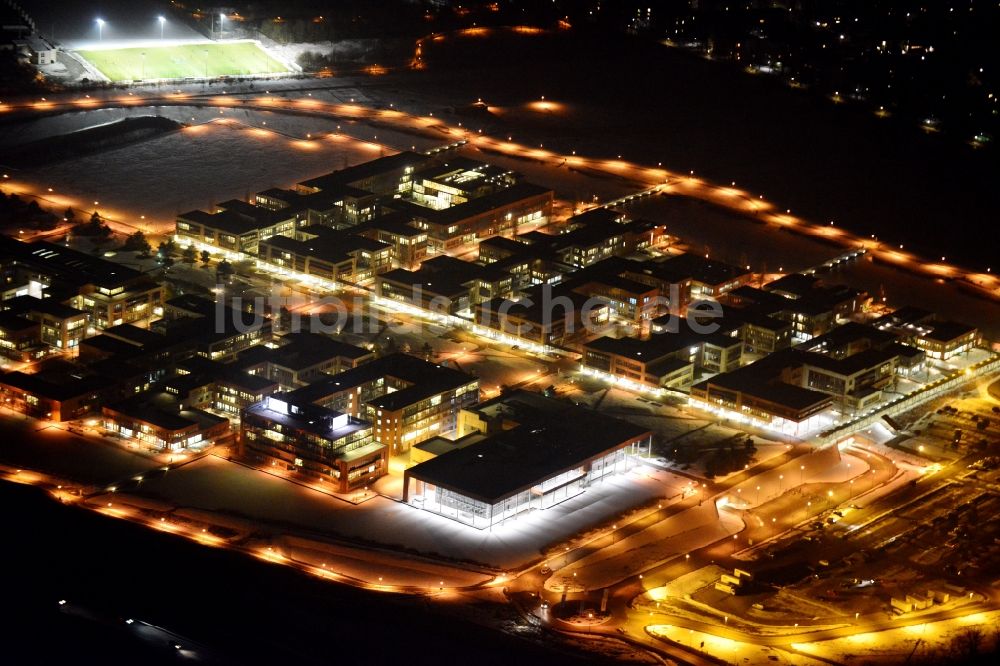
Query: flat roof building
{"points": [[406, 398], [757, 393], [546, 452], [160, 422], [314, 441], [108, 292]]}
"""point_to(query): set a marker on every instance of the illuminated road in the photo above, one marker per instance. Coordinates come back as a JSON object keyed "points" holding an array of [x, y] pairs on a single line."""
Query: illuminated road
{"points": [[628, 615], [633, 621], [749, 205]]}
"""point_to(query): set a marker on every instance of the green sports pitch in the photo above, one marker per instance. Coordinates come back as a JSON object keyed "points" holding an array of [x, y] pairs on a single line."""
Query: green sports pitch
{"points": [[183, 61]]}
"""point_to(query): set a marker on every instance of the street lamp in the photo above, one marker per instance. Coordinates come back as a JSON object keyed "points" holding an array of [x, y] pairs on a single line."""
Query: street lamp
{"points": [[163, 22], [100, 29], [222, 20]]}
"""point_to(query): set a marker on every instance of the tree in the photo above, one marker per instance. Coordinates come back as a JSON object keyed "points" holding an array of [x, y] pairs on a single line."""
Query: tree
{"points": [[967, 644], [224, 271], [166, 248], [206, 257], [137, 243], [95, 227], [285, 319], [189, 255]]}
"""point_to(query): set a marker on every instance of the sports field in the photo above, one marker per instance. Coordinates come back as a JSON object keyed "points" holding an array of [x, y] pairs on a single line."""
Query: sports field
{"points": [[183, 61]]}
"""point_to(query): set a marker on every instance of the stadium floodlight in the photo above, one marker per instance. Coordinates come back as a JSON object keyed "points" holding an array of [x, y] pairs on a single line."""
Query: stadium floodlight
{"points": [[100, 29], [163, 22], [222, 23]]}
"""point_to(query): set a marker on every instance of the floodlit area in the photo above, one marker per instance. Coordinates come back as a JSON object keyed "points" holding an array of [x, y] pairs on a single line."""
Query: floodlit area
{"points": [[217, 485], [181, 61], [732, 651], [918, 641], [326, 313]]}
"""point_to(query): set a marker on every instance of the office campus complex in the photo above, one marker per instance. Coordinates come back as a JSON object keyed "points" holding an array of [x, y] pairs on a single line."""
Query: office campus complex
{"points": [[312, 387], [479, 343]]}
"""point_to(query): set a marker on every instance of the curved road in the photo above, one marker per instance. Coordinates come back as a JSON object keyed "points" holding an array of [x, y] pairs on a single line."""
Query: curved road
{"points": [[686, 185]]}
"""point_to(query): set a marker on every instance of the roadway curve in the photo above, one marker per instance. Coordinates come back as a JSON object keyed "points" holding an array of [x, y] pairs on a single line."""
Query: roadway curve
{"points": [[665, 181]]}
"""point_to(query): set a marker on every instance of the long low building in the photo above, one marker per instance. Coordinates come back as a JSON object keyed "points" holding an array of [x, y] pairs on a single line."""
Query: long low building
{"points": [[163, 427], [666, 360], [845, 370], [757, 394], [61, 399], [538, 452]]}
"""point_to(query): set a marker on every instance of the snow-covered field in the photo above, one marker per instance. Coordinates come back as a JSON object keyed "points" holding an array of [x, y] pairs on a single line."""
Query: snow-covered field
{"points": [[222, 156], [900, 645], [218, 485]]}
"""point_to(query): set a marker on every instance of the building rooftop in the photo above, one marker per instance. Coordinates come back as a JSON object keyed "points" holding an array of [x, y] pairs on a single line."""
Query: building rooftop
{"points": [[12, 322], [161, 409], [140, 337], [753, 317], [305, 350], [793, 284], [395, 223], [658, 345], [907, 316], [439, 446], [484, 204], [326, 423], [762, 379], [431, 283], [49, 306], [368, 169], [700, 269], [598, 216], [849, 365], [110, 345], [425, 379], [514, 460], [848, 334], [59, 388], [946, 331], [67, 264]]}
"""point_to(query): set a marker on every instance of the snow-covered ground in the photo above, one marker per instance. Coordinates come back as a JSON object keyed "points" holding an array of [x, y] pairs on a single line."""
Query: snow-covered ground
{"points": [[689, 530], [899, 645], [822, 466], [221, 156], [731, 651], [217, 485]]}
